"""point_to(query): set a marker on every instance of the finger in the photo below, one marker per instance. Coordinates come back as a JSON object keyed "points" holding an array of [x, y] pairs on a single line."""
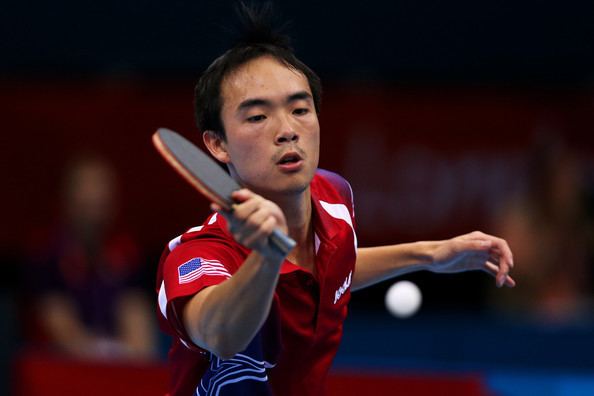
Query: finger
{"points": [[233, 223], [245, 209], [498, 244], [494, 258], [505, 261], [256, 216], [500, 253], [490, 268], [503, 267], [261, 214], [216, 207], [497, 269], [502, 246], [258, 237], [242, 195], [227, 214], [493, 270]]}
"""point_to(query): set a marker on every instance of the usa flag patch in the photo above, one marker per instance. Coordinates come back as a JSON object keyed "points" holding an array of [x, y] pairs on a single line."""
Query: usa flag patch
{"points": [[197, 267]]}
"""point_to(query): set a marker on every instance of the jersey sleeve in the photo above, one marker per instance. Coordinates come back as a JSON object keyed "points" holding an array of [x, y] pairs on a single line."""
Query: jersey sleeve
{"points": [[186, 270]]}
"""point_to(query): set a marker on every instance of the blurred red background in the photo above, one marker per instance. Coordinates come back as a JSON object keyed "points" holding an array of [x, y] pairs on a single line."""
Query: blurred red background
{"points": [[422, 162]]}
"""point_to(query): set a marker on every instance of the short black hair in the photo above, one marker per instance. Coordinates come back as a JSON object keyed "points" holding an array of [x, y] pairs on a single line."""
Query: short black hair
{"points": [[258, 38]]}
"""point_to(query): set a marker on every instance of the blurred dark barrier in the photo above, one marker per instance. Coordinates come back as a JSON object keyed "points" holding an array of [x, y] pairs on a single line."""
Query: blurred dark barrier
{"points": [[456, 342], [36, 375], [502, 356], [46, 376], [355, 382]]}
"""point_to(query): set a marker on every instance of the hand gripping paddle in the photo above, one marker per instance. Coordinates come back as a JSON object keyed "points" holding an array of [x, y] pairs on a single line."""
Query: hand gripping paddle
{"points": [[202, 172]]}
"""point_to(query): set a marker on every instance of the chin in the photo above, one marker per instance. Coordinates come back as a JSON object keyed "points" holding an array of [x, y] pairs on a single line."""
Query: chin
{"points": [[291, 186]]}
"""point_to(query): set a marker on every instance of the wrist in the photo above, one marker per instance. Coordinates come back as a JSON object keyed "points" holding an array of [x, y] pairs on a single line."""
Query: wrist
{"points": [[270, 256], [424, 255]]}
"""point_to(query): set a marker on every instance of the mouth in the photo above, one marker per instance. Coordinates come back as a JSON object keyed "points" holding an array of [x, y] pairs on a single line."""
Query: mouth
{"points": [[291, 161], [289, 158]]}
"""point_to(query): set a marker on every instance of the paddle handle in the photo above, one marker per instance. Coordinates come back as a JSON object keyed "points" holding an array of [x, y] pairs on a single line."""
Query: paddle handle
{"points": [[283, 243]]}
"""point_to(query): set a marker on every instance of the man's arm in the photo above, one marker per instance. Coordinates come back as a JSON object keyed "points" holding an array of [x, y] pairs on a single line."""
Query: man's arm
{"points": [[223, 319], [474, 251], [134, 338], [136, 329], [64, 327]]}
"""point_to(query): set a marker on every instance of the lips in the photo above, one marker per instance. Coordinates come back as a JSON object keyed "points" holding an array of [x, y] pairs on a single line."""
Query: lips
{"points": [[289, 158], [290, 162]]}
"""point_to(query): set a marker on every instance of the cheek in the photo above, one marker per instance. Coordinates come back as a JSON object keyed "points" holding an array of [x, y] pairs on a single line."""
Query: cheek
{"points": [[314, 135], [249, 155], [242, 152]]}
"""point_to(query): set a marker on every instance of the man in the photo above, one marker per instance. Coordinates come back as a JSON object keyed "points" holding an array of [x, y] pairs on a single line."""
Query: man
{"points": [[89, 300], [246, 319]]}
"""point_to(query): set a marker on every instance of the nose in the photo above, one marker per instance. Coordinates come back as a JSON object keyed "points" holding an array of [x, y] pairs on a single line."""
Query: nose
{"points": [[287, 137], [287, 133]]}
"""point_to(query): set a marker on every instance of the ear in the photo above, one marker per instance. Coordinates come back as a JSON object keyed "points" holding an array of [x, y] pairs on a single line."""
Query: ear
{"points": [[217, 146]]}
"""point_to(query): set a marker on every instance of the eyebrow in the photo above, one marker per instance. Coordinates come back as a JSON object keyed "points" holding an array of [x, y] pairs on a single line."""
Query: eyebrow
{"points": [[302, 95], [248, 103]]}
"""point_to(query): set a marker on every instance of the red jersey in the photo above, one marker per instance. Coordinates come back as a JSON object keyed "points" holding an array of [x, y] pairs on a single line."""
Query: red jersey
{"points": [[293, 351]]}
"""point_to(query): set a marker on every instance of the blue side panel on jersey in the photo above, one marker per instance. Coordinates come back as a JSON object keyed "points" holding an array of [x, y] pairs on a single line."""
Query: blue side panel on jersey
{"points": [[244, 374]]}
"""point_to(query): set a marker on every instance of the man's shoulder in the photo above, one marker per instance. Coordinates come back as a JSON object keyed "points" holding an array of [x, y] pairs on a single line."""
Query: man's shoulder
{"points": [[209, 242], [213, 230], [326, 183]]}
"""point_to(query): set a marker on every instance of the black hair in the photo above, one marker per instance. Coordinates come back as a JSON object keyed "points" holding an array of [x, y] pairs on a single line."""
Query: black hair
{"points": [[258, 38]]}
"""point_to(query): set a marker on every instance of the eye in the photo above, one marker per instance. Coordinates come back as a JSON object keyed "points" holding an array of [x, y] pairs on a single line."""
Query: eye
{"points": [[301, 111], [256, 118]]}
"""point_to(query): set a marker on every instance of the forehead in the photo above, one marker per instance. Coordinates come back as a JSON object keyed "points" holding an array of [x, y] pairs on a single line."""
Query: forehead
{"points": [[264, 77]]}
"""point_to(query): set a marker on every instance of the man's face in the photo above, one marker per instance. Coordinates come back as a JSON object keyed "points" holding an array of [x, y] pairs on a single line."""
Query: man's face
{"points": [[272, 129]]}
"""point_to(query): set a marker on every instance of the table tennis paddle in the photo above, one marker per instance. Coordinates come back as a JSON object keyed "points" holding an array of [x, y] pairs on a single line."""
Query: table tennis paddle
{"points": [[202, 172]]}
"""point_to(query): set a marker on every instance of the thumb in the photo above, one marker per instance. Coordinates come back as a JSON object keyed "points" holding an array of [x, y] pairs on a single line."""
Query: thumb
{"points": [[219, 209], [241, 195]]}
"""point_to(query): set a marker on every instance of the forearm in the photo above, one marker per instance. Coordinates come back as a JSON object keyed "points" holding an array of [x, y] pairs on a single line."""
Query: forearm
{"points": [[224, 318], [375, 264]]}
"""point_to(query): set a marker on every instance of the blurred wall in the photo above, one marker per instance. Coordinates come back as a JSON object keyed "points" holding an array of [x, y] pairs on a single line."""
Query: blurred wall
{"points": [[423, 163], [430, 110]]}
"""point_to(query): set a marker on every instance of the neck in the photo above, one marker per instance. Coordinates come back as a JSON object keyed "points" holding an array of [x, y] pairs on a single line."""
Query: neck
{"points": [[298, 213]]}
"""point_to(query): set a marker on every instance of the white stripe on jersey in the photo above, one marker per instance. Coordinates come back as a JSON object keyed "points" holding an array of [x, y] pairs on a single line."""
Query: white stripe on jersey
{"points": [[174, 243], [163, 299], [316, 242], [340, 211]]}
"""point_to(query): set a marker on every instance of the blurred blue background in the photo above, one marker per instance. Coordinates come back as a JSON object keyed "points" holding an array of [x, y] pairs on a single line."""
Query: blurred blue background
{"points": [[446, 117]]}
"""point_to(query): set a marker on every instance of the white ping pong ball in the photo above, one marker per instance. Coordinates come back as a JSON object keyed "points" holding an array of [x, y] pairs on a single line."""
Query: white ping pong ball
{"points": [[403, 299]]}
